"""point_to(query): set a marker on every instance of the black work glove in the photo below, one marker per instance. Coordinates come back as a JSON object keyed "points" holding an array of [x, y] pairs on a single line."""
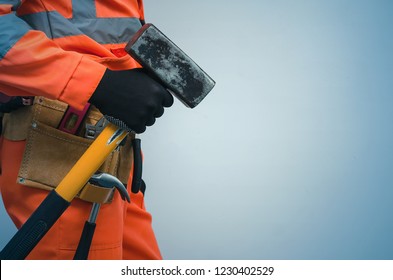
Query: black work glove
{"points": [[131, 98]]}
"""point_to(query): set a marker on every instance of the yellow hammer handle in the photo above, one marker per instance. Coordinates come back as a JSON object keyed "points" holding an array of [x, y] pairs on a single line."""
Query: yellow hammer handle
{"points": [[90, 161]]}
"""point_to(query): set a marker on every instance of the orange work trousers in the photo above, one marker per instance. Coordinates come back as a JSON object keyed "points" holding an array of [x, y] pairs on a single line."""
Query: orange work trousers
{"points": [[123, 230]]}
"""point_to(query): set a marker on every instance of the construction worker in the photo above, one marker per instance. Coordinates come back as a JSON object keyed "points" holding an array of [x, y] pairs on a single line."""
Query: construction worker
{"points": [[57, 55]]}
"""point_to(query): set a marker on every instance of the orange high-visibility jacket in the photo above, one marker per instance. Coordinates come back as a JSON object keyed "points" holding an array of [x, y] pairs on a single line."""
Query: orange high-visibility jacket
{"points": [[61, 49]]}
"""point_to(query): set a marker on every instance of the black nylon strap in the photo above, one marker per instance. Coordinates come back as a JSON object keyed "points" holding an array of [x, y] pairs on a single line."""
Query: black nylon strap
{"points": [[12, 105]]}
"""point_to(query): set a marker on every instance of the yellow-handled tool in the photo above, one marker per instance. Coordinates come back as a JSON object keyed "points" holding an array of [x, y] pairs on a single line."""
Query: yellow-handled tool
{"points": [[90, 161], [58, 200]]}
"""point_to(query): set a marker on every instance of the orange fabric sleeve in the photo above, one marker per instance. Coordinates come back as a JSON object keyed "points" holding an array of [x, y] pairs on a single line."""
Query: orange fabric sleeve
{"points": [[35, 65]]}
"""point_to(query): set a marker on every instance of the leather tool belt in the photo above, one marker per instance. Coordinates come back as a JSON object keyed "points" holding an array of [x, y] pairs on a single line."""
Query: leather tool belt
{"points": [[51, 153]]}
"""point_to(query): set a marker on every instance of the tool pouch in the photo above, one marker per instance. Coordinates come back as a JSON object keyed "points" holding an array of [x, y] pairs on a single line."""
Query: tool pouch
{"points": [[51, 153]]}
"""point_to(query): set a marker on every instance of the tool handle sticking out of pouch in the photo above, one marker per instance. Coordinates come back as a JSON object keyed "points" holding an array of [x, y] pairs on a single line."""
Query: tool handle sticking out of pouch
{"points": [[92, 131], [103, 180], [72, 119], [137, 182]]}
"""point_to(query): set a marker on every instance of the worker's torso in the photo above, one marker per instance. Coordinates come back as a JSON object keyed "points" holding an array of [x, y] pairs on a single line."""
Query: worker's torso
{"points": [[87, 26], [98, 29]]}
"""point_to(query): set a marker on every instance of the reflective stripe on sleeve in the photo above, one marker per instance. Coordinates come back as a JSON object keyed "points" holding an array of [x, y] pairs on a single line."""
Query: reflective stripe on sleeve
{"points": [[102, 30], [13, 28]]}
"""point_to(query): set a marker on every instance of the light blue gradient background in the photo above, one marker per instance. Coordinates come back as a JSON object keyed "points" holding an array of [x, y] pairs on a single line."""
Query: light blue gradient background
{"points": [[291, 155]]}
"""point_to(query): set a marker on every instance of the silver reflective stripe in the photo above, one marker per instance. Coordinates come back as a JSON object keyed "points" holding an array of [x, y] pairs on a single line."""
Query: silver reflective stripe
{"points": [[12, 29], [52, 24], [83, 9], [109, 30], [102, 30]]}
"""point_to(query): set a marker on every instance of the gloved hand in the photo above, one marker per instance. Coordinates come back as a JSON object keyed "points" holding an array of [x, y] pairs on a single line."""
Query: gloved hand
{"points": [[132, 97]]}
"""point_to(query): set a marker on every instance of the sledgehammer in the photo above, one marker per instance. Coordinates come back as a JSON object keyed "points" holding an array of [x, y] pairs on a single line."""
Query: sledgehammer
{"points": [[174, 68], [176, 71]]}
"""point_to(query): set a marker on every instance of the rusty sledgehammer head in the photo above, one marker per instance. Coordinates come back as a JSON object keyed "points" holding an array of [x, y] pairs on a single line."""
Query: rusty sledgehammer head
{"points": [[175, 69]]}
